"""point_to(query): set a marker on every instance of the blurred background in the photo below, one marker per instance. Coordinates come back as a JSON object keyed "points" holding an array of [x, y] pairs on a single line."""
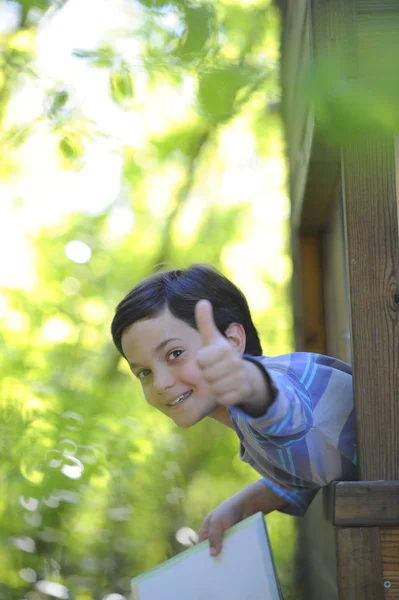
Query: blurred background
{"points": [[132, 133]]}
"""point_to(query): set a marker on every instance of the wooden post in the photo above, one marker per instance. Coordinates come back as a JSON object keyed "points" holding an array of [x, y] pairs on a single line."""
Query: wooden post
{"points": [[364, 560], [365, 514], [370, 210]]}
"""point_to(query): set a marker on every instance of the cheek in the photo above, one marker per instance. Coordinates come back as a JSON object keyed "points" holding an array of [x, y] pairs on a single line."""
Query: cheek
{"points": [[148, 394], [191, 373]]}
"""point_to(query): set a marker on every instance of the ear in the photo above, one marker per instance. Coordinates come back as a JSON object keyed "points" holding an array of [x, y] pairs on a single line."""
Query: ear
{"points": [[235, 333]]}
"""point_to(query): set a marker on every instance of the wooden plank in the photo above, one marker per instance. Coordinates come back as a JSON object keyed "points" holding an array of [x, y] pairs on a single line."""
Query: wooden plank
{"points": [[334, 32], [333, 27], [364, 503], [297, 21], [370, 209], [376, 6], [312, 294], [316, 568], [378, 47], [397, 183], [390, 561], [297, 111], [335, 282], [359, 563]]}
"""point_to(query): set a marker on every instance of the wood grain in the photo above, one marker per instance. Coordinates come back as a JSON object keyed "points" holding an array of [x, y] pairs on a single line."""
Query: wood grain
{"points": [[390, 560], [359, 563], [364, 503], [370, 209], [334, 27], [376, 6], [312, 294]]}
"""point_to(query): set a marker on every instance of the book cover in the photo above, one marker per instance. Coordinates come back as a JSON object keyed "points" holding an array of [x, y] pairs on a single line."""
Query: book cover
{"points": [[243, 571]]}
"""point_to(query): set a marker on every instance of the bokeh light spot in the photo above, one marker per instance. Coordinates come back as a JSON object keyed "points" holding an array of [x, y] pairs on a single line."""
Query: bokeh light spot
{"points": [[78, 251]]}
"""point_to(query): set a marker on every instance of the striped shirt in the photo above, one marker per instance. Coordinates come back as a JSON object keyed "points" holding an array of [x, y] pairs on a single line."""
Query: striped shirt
{"points": [[306, 438]]}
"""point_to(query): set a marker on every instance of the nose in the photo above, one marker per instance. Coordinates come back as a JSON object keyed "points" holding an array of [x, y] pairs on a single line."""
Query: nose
{"points": [[163, 379]]}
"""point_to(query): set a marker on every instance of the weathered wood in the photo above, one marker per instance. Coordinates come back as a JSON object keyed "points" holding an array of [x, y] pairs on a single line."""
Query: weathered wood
{"points": [[316, 569], [335, 283], [378, 47], [370, 208], [359, 563], [364, 503], [334, 27], [296, 23], [397, 181], [312, 294], [376, 6], [298, 115], [390, 561]]}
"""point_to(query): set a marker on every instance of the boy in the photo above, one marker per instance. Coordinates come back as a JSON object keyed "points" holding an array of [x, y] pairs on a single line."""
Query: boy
{"points": [[188, 336]]}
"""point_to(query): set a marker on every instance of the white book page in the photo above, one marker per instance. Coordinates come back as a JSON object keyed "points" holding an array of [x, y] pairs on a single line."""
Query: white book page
{"points": [[243, 571]]}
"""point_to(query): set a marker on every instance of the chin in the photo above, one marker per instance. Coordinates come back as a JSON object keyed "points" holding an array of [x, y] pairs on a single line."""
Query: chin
{"points": [[187, 423]]}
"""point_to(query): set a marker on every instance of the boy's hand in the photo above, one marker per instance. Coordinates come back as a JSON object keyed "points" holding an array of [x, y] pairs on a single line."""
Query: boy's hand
{"points": [[222, 366], [255, 497], [218, 521]]}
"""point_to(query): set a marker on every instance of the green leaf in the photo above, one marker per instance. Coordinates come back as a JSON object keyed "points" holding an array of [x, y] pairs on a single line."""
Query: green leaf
{"points": [[154, 4], [218, 89], [16, 136], [71, 150], [183, 139], [349, 109], [121, 85], [195, 41], [57, 100]]}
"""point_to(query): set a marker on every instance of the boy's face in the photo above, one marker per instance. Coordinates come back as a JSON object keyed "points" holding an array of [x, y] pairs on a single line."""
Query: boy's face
{"points": [[162, 353]]}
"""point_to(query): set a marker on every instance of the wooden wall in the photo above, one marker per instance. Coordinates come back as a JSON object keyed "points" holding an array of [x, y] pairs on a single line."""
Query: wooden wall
{"points": [[320, 290], [345, 245]]}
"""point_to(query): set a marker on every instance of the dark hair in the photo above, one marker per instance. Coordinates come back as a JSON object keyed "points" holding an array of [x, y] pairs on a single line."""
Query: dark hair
{"points": [[180, 290]]}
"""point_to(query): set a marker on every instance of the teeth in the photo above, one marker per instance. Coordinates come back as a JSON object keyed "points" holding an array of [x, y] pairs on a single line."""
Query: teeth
{"points": [[179, 399]]}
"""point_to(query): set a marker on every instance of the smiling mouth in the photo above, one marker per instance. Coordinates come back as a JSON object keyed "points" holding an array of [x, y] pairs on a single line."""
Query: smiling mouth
{"points": [[180, 399]]}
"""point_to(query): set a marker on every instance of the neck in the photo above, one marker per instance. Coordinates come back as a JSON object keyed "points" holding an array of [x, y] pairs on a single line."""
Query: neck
{"points": [[220, 414]]}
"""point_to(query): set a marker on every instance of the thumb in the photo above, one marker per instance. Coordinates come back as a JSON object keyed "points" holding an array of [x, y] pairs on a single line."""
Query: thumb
{"points": [[205, 323]]}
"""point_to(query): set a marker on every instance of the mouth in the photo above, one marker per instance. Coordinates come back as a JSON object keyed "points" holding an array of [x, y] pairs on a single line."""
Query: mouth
{"points": [[180, 399]]}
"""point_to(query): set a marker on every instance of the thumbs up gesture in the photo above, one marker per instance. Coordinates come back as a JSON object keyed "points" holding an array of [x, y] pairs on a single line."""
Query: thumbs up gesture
{"points": [[222, 366]]}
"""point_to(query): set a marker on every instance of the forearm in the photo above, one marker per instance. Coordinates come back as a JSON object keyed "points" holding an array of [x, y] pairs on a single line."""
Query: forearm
{"points": [[261, 394], [258, 497]]}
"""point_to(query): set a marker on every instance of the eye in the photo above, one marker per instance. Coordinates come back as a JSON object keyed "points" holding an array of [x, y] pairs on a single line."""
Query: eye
{"points": [[175, 354], [143, 373]]}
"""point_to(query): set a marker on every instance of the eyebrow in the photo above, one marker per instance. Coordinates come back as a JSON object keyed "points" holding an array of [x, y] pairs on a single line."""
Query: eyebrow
{"points": [[158, 348]]}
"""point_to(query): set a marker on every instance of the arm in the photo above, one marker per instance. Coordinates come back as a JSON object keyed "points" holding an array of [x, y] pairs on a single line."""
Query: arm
{"points": [[256, 497], [232, 378], [261, 395]]}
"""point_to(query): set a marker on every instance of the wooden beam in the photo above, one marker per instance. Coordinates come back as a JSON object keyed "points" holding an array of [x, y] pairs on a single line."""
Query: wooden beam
{"points": [[359, 563], [364, 503], [370, 211], [390, 561]]}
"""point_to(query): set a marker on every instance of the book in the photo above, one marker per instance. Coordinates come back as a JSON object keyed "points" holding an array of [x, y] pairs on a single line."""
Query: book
{"points": [[244, 570]]}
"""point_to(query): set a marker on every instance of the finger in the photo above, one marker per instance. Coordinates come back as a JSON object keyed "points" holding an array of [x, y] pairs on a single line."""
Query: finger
{"points": [[209, 356], [219, 362], [203, 532], [215, 535], [205, 323]]}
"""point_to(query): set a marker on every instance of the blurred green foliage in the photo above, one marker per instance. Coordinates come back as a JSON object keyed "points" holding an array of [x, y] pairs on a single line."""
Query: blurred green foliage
{"points": [[94, 485]]}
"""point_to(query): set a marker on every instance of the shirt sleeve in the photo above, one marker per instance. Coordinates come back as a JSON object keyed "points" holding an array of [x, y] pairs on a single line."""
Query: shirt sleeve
{"points": [[297, 502], [306, 437], [289, 413]]}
